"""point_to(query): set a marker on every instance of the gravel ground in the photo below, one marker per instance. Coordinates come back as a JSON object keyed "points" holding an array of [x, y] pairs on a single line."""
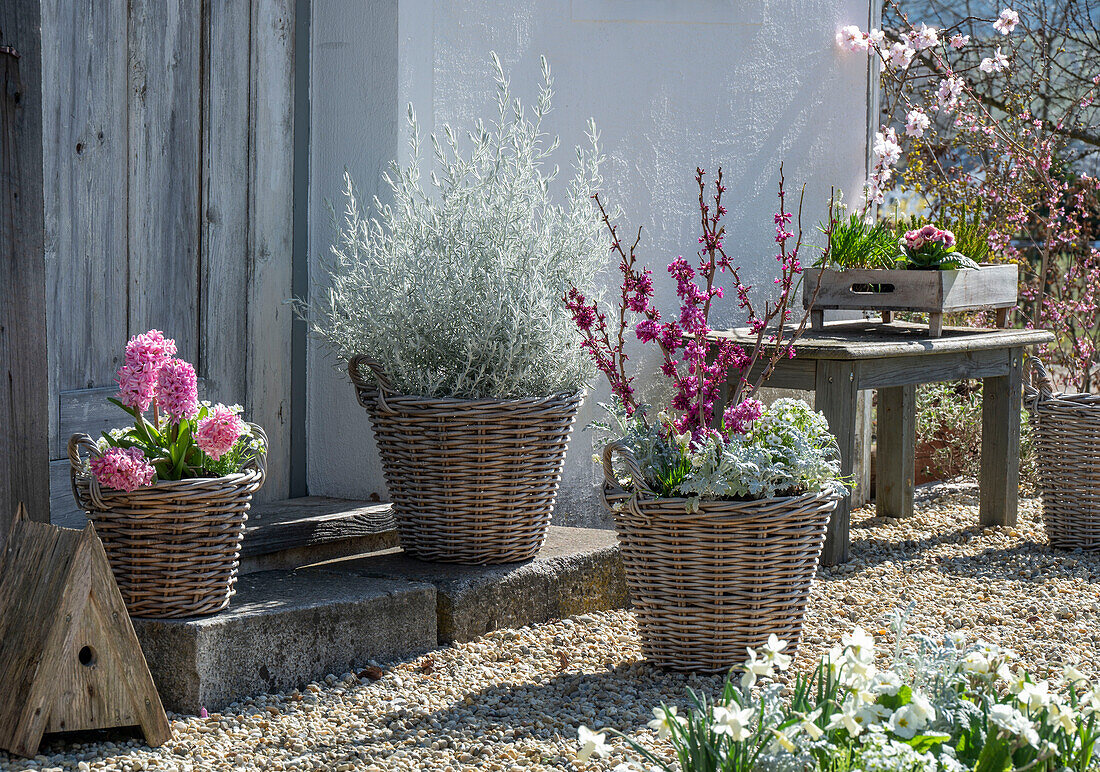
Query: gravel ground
{"points": [[513, 699]]}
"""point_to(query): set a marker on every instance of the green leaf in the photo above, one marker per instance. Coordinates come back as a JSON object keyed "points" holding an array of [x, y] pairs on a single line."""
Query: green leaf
{"points": [[926, 742], [996, 756]]}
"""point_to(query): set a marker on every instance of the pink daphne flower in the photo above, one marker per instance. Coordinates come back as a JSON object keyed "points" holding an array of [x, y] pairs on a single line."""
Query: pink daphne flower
{"points": [[851, 38], [1006, 21], [916, 122], [219, 432], [124, 469], [177, 390]]}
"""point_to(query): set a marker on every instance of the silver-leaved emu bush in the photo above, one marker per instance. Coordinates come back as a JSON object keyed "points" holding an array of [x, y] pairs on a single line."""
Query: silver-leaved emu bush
{"points": [[454, 286]]}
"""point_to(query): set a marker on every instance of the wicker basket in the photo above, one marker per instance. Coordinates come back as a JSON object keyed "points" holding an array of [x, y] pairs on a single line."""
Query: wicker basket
{"points": [[1066, 431], [174, 547], [471, 481], [707, 585]]}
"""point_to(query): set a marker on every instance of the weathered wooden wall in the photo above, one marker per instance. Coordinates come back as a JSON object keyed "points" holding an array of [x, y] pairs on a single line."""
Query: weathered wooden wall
{"points": [[168, 159], [23, 449]]}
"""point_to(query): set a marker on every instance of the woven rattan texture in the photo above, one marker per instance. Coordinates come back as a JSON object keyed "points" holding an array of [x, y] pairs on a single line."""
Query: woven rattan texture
{"points": [[471, 481], [709, 584], [174, 547], [1066, 432]]}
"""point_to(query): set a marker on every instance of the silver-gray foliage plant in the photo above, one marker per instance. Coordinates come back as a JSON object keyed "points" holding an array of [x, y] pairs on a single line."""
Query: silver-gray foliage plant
{"points": [[456, 286]]}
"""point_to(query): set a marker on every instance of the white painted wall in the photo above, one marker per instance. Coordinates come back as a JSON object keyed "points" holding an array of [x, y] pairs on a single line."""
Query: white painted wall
{"points": [[672, 84]]}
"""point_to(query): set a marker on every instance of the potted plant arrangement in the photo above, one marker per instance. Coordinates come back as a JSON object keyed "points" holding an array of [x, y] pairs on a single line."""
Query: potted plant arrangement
{"points": [[887, 267], [169, 496], [720, 514], [445, 307]]}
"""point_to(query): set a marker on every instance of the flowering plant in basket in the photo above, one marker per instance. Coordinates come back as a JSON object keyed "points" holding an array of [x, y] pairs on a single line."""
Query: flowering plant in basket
{"points": [[749, 451], [174, 436]]}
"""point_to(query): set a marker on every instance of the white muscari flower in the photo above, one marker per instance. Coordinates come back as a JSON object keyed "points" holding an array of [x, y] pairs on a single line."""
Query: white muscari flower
{"points": [[592, 743], [1006, 21], [734, 722]]}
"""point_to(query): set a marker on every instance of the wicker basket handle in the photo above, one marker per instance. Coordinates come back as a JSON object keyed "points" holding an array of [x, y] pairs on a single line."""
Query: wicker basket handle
{"points": [[257, 461], [1045, 389], [76, 468], [379, 387], [627, 456]]}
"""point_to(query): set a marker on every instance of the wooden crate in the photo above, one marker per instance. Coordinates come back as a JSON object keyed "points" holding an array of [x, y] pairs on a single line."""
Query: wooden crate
{"points": [[932, 292]]}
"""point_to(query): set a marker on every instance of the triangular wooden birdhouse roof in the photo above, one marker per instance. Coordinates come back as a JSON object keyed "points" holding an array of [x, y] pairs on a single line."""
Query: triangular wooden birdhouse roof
{"points": [[69, 657]]}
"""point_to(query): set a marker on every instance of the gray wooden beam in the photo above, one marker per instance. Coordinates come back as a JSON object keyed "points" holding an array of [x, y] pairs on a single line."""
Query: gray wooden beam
{"points": [[836, 395], [24, 406], [999, 477], [897, 439]]}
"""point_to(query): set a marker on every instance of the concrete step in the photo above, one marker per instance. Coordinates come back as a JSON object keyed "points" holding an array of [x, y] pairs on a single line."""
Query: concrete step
{"points": [[577, 570], [286, 628]]}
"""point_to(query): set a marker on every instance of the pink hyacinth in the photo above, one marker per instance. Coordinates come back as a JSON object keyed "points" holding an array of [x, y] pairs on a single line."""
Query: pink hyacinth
{"points": [[124, 469], [150, 349], [146, 354], [219, 432], [177, 390]]}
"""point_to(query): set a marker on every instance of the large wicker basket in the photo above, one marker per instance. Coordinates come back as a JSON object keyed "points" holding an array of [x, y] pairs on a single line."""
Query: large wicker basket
{"points": [[174, 547], [706, 585], [471, 481], [1066, 432]]}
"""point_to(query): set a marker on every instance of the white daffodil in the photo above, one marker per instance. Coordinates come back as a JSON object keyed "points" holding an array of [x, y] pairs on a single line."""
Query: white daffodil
{"points": [[592, 743], [1060, 714], [860, 642], [735, 722], [663, 719], [1090, 700], [1072, 676], [847, 718], [783, 741], [773, 652], [808, 724], [1015, 680], [755, 667], [1034, 695]]}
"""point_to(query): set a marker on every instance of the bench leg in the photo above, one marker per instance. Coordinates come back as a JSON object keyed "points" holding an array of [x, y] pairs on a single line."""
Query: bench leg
{"points": [[817, 319], [897, 439], [999, 479], [835, 395]]}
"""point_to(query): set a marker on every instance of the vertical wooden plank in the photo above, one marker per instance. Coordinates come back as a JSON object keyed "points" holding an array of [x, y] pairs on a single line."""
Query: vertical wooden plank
{"points": [[24, 411], [835, 394], [897, 438], [84, 139], [999, 477], [164, 147], [271, 238], [223, 317]]}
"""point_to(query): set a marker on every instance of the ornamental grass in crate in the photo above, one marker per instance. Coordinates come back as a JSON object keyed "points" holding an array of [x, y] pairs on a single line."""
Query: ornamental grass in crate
{"points": [[721, 518], [887, 267], [445, 305], [169, 496]]}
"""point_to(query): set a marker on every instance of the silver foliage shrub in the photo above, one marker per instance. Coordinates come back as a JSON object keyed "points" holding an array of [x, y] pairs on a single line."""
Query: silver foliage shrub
{"points": [[455, 286]]}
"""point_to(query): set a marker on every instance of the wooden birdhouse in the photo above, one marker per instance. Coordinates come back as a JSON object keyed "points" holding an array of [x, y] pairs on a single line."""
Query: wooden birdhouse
{"points": [[69, 657]]}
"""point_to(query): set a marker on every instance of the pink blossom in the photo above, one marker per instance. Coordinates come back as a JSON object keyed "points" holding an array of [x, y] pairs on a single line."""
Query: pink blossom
{"points": [[219, 431], [916, 122], [948, 93], [851, 38], [959, 41], [1006, 21], [925, 37], [738, 418], [177, 389], [996, 63], [886, 148], [150, 349], [124, 469], [877, 38], [901, 54]]}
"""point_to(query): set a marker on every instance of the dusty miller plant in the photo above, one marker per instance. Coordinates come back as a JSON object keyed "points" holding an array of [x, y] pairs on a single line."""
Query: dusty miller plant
{"points": [[454, 286]]}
